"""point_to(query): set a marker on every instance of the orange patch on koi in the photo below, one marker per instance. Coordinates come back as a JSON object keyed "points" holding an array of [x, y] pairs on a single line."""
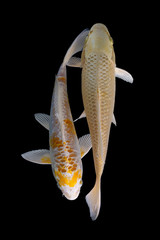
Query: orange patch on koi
{"points": [[56, 142], [61, 79], [66, 180], [46, 160], [70, 126]]}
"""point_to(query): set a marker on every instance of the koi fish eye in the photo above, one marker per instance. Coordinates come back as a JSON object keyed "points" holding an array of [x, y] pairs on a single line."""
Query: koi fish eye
{"points": [[86, 39], [111, 40]]}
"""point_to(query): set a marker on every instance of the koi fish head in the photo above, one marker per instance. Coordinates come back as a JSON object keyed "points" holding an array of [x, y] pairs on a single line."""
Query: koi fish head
{"points": [[69, 181], [99, 39]]}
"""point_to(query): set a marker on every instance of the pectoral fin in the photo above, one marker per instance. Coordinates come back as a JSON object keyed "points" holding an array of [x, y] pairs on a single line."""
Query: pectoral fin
{"points": [[38, 156], [114, 120], [124, 75], [83, 115], [85, 144], [74, 62], [43, 119]]}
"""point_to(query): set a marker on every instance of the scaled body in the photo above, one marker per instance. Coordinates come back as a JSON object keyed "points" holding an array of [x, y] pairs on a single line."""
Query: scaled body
{"points": [[64, 145], [98, 92]]}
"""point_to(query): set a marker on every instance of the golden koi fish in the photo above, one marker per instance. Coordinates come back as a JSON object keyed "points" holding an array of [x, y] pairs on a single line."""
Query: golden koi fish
{"points": [[65, 150], [98, 92]]}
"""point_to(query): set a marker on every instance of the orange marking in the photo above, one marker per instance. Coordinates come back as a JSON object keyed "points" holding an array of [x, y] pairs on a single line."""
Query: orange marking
{"points": [[46, 160], [73, 168], [72, 155], [63, 160], [69, 171], [56, 142], [65, 180], [82, 153], [70, 150], [61, 79], [70, 126]]}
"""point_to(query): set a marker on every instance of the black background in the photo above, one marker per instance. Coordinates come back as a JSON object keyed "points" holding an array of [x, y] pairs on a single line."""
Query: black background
{"points": [[43, 35]]}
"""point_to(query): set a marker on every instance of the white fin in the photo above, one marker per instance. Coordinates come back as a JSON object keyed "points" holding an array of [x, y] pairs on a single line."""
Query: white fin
{"points": [[74, 62], [83, 115], [76, 46], [114, 120], [93, 200], [43, 119], [124, 75], [38, 156], [85, 144]]}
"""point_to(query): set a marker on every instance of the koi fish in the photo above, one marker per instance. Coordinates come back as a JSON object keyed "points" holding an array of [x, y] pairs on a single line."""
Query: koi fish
{"points": [[98, 93], [66, 150]]}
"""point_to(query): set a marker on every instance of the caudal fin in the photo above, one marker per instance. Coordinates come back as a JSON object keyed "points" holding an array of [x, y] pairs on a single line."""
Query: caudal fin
{"points": [[93, 200], [76, 46]]}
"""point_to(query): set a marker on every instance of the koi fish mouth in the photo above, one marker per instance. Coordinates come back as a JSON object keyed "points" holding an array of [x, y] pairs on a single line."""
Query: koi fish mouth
{"points": [[99, 40], [70, 195], [68, 183]]}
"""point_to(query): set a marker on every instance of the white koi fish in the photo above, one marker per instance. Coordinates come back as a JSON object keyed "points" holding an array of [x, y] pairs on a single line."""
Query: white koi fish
{"points": [[65, 150], [98, 92]]}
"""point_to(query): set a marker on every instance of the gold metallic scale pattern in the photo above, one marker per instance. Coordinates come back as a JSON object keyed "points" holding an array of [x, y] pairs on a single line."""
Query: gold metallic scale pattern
{"points": [[98, 89]]}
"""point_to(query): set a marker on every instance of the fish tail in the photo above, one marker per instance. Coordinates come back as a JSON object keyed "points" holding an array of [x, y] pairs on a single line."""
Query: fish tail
{"points": [[93, 200], [76, 46]]}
